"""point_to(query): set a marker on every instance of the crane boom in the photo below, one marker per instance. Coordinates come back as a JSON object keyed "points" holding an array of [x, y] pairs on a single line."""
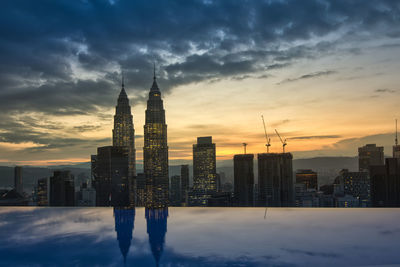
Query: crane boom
{"points": [[284, 143], [268, 144]]}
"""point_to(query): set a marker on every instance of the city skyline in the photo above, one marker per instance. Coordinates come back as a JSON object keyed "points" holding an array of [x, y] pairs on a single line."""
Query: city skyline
{"points": [[328, 84]]}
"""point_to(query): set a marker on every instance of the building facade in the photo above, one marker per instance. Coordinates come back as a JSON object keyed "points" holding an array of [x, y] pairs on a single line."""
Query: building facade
{"points": [[275, 180], [307, 177], [204, 171], [112, 184], [243, 179], [184, 183], [155, 151], [18, 180], [42, 192], [62, 189], [370, 155], [124, 136]]}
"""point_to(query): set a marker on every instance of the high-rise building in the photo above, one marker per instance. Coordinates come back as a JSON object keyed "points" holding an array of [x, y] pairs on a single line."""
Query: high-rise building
{"points": [[275, 180], [243, 179], [175, 191], [379, 188], [184, 183], [204, 171], [18, 180], [124, 135], [307, 177], [155, 150], [140, 190], [42, 192], [62, 189], [370, 155], [393, 182], [112, 186]]}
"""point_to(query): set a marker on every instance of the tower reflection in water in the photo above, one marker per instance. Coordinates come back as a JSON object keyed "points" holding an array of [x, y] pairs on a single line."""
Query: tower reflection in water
{"points": [[156, 218], [124, 224]]}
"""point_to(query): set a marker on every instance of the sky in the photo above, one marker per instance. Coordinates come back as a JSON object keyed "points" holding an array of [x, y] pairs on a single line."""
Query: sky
{"points": [[324, 73]]}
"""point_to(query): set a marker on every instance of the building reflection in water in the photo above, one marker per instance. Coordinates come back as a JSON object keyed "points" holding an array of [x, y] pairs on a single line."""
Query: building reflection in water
{"points": [[156, 229], [156, 214], [124, 224]]}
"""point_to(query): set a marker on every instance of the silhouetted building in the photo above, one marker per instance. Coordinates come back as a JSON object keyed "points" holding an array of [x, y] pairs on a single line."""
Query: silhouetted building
{"points": [[140, 190], [243, 179], [62, 189], [112, 185], [155, 150], [175, 191], [184, 183], [124, 136], [124, 224], [307, 177], [370, 155], [18, 180], [42, 192], [156, 229], [350, 187], [93, 167], [204, 171], [305, 197], [379, 186], [275, 179], [393, 182]]}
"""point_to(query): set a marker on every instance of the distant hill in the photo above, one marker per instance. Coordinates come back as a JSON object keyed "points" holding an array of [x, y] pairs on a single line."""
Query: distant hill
{"points": [[327, 168]]}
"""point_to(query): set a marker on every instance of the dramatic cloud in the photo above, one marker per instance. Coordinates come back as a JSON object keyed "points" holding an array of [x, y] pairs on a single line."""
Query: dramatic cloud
{"points": [[65, 58]]}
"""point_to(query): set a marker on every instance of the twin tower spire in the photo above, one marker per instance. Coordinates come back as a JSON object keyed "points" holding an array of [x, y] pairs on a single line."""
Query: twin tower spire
{"points": [[155, 149]]}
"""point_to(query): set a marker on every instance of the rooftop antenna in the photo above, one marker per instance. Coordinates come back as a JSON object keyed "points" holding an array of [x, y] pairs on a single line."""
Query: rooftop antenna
{"points": [[154, 71], [122, 73], [244, 147], [268, 144], [284, 143]]}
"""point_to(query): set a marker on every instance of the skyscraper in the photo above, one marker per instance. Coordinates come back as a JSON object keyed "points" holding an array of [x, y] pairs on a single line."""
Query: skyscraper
{"points": [[62, 189], [275, 179], [175, 191], [124, 135], [155, 150], [370, 155], [18, 180], [42, 192], [243, 179], [184, 183], [204, 171], [112, 176]]}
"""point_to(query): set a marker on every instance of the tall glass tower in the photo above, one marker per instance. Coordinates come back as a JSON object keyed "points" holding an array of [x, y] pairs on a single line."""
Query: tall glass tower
{"points": [[124, 135], [155, 150]]}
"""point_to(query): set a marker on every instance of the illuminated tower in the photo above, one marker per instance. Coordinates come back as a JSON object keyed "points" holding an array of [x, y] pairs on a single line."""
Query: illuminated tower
{"points": [[155, 150], [124, 136]]}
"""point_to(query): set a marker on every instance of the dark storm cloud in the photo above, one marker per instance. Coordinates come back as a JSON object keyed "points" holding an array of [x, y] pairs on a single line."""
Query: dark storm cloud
{"points": [[190, 41], [48, 48]]}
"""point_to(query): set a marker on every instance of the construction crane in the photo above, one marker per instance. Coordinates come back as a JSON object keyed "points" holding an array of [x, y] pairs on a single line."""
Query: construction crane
{"points": [[268, 144], [244, 146], [395, 140], [284, 143]]}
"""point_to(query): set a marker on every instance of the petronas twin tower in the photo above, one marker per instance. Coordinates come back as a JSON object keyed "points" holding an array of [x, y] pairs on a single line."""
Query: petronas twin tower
{"points": [[155, 150]]}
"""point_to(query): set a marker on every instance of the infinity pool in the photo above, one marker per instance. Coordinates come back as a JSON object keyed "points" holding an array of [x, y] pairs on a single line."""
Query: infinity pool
{"points": [[199, 237]]}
